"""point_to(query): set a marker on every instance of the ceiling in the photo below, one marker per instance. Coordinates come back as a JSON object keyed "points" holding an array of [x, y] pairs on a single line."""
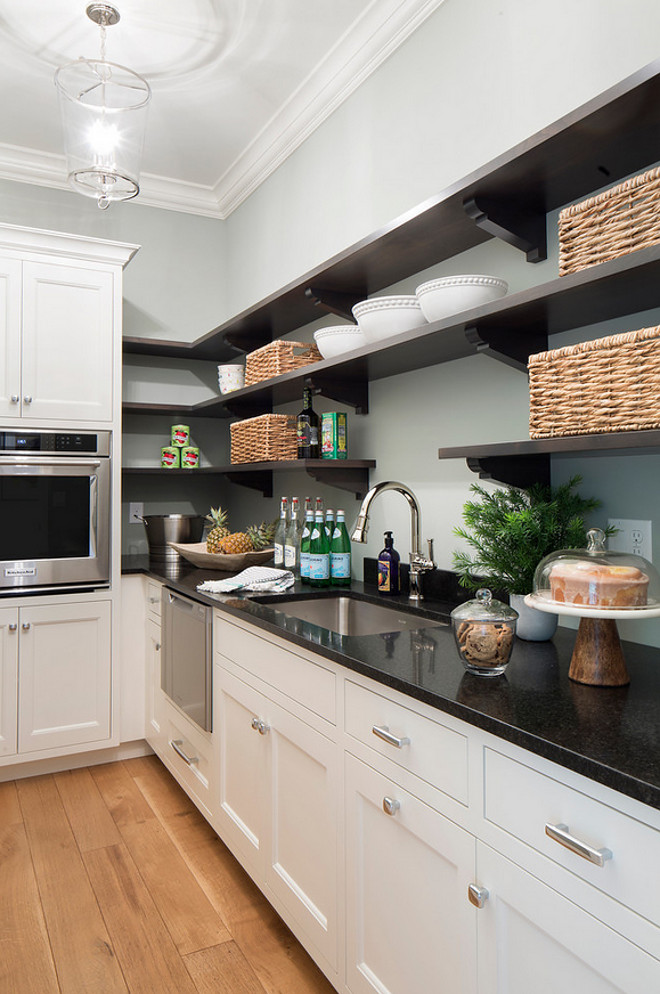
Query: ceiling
{"points": [[237, 84]]}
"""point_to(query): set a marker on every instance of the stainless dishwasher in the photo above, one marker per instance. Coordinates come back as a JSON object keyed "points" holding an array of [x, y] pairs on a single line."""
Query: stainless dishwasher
{"points": [[186, 665]]}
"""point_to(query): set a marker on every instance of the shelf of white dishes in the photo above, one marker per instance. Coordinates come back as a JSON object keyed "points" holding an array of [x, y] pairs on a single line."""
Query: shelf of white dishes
{"points": [[344, 474], [509, 329], [528, 461], [601, 142]]}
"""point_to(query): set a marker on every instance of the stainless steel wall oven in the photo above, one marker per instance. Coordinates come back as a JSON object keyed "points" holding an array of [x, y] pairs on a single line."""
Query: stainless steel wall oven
{"points": [[54, 509]]}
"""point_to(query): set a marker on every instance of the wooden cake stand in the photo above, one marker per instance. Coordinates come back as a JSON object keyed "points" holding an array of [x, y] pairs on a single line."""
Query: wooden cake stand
{"points": [[597, 658]]}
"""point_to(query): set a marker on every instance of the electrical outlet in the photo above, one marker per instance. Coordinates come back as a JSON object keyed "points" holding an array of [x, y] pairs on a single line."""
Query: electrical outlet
{"points": [[633, 536], [135, 512]]}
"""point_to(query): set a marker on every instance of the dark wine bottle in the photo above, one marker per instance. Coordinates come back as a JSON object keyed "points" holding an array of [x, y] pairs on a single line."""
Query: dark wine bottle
{"points": [[308, 429]]}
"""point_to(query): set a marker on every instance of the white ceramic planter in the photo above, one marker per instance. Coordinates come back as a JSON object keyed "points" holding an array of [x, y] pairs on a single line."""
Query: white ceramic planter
{"points": [[533, 625]]}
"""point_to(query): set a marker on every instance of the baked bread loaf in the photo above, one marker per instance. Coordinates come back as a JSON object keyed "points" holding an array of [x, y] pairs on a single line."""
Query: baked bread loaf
{"points": [[598, 585]]}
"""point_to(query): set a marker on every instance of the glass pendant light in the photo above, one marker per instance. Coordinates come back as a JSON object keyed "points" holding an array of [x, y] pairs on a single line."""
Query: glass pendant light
{"points": [[104, 112]]}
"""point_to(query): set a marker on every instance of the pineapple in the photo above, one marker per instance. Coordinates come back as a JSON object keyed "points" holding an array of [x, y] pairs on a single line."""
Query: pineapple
{"points": [[262, 535], [219, 531], [235, 543]]}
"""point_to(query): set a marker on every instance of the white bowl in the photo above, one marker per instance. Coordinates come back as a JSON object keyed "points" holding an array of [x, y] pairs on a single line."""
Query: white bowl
{"points": [[337, 339], [383, 317], [451, 294]]}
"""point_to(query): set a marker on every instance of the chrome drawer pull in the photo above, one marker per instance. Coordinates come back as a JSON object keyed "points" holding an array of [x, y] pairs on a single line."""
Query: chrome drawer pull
{"points": [[390, 805], [176, 745], [383, 732], [561, 834], [477, 895]]}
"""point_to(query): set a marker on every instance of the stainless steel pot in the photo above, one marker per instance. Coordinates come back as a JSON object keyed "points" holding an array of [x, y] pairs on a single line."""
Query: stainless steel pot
{"points": [[164, 528]]}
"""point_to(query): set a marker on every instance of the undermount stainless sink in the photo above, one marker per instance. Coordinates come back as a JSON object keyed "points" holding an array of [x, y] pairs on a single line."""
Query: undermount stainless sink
{"points": [[348, 616]]}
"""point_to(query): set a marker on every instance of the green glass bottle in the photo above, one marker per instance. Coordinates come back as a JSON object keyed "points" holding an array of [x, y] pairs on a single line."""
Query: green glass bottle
{"points": [[329, 523], [319, 554], [340, 554], [304, 544]]}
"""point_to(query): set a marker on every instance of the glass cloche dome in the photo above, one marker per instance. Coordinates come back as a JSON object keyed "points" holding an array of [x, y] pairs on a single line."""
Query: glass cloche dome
{"points": [[581, 580]]}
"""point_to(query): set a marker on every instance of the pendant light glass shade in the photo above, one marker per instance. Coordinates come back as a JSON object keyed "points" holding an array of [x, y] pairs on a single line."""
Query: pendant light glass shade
{"points": [[104, 110]]}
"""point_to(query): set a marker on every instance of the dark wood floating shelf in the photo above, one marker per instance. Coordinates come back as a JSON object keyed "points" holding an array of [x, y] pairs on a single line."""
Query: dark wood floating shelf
{"points": [[509, 329], [344, 474], [606, 139], [522, 463]]}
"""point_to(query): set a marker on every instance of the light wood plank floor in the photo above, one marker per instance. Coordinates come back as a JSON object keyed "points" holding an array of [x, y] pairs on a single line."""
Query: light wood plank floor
{"points": [[111, 882]]}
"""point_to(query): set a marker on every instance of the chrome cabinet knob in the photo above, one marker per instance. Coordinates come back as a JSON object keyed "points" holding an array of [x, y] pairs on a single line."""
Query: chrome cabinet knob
{"points": [[260, 726], [15, 398], [25, 626], [477, 895], [157, 646], [391, 805], [13, 627], [27, 399]]}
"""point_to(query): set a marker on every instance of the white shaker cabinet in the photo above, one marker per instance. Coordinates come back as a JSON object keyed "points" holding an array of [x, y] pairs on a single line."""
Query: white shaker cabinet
{"points": [[278, 788], [8, 680], [531, 938], [64, 656], [66, 345], [60, 326]]}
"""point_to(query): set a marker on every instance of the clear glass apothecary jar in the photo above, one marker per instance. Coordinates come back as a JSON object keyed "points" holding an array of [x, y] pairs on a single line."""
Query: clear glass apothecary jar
{"points": [[484, 629]]}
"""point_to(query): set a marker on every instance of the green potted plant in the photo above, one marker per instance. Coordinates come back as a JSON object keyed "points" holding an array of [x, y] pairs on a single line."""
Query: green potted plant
{"points": [[509, 531]]}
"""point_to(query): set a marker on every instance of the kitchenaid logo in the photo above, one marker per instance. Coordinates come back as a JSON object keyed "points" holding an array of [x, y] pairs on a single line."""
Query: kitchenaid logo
{"points": [[21, 571]]}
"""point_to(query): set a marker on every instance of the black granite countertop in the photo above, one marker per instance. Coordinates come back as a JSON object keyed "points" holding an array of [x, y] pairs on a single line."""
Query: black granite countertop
{"points": [[611, 735]]}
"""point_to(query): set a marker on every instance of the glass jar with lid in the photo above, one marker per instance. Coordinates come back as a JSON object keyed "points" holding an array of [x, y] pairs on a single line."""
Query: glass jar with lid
{"points": [[484, 630]]}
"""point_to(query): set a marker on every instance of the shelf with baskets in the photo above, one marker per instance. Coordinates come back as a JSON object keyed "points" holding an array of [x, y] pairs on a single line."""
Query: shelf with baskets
{"points": [[527, 461], [610, 137], [509, 329], [344, 474]]}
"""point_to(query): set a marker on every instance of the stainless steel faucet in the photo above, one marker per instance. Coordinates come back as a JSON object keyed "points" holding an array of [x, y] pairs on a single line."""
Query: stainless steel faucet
{"points": [[418, 563]]}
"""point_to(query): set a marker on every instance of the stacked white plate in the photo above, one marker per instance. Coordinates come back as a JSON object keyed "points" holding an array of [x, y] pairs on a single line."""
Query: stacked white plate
{"points": [[384, 317], [451, 294]]}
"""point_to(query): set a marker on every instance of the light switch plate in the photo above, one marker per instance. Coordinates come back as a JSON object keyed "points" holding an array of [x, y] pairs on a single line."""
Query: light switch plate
{"points": [[135, 512], [633, 536]]}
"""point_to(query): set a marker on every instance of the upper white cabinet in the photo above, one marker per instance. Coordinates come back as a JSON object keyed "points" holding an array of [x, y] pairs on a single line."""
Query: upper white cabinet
{"points": [[60, 326]]}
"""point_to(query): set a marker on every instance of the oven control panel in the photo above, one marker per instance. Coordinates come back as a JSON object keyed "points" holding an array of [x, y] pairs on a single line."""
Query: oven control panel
{"points": [[55, 442]]}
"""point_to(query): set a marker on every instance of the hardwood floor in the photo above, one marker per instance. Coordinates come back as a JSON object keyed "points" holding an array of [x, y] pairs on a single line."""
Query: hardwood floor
{"points": [[111, 882]]}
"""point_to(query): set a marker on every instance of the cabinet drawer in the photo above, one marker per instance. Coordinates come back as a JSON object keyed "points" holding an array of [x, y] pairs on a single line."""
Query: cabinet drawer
{"points": [[154, 591], [434, 753], [522, 801], [189, 755], [298, 677]]}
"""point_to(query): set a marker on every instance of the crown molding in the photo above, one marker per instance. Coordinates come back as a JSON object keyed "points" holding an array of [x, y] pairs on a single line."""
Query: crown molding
{"points": [[381, 29]]}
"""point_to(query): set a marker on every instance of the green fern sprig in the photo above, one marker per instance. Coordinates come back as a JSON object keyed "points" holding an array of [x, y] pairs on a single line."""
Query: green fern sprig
{"points": [[509, 531]]}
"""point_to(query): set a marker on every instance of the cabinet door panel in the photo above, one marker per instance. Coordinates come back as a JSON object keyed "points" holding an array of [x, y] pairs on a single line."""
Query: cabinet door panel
{"points": [[65, 676], [154, 695], [67, 343], [10, 338], [302, 869], [242, 769], [410, 927], [8, 680], [533, 939]]}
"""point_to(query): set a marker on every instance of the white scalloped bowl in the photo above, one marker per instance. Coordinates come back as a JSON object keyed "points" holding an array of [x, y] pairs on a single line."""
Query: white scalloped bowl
{"points": [[384, 317], [451, 294], [338, 338]]}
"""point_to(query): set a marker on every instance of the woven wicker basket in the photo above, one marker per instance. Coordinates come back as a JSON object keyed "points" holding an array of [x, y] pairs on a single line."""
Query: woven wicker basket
{"points": [[276, 358], [621, 220], [612, 384], [266, 438]]}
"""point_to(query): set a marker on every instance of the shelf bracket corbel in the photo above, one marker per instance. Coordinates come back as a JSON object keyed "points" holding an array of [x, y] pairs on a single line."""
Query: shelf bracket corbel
{"points": [[336, 301], [261, 480], [353, 479], [353, 393], [510, 347], [526, 232], [516, 471]]}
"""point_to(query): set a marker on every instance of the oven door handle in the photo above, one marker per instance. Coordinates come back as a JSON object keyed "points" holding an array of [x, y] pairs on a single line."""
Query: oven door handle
{"points": [[37, 461]]}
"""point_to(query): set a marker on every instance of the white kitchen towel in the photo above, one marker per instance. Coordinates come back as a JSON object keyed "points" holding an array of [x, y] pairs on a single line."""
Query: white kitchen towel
{"points": [[253, 578]]}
